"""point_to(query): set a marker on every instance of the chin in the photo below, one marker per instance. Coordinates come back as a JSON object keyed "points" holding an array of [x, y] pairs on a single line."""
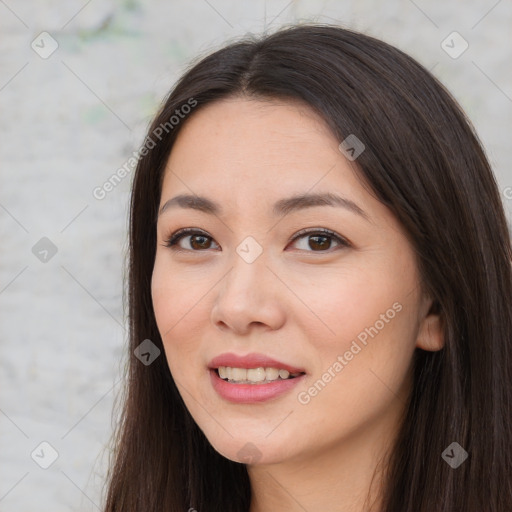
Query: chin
{"points": [[251, 452]]}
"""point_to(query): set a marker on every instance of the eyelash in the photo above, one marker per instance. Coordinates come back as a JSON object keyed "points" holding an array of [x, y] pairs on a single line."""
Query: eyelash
{"points": [[174, 238]]}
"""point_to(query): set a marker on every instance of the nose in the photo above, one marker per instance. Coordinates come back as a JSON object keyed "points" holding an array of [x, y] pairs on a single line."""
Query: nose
{"points": [[249, 295]]}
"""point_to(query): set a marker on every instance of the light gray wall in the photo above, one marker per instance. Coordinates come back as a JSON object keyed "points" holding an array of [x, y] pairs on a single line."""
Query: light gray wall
{"points": [[70, 120]]}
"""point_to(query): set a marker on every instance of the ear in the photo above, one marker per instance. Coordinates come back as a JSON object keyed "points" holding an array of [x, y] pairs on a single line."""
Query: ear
{"points": [[430, 333]]}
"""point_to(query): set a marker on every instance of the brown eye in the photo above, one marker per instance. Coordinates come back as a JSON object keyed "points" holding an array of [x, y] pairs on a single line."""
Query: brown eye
{"points": [[316, 240], [319, 240], [203, 242], [197, 240]]}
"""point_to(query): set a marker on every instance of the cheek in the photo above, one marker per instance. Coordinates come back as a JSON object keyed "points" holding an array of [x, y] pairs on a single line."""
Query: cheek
{"points": [[176, 306], [163, 295], [361, 376], [342, 305], [176, 294], [362, 329]]}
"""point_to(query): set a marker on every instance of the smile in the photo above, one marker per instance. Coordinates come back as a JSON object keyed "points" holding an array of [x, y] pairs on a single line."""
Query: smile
{"points": [[258, 375], [248, 392]]}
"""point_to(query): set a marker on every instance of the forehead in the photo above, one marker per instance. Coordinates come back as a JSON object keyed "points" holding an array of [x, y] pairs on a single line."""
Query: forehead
{"points": [[255, 145]]}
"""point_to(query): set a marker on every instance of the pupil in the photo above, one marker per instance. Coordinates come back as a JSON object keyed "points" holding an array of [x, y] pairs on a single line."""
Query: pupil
{"points": [[326, 239], [205, 241]]}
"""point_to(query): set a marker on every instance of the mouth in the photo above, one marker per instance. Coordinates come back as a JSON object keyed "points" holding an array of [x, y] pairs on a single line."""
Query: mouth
{"points": [[253, 388], [254, 376]]}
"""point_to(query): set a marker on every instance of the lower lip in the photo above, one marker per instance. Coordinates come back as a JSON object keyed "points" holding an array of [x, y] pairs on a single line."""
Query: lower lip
{"points": [[250, 393]]}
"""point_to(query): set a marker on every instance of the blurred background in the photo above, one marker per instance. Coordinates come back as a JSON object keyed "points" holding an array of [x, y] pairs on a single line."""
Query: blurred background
{"points": [[79, 83]]}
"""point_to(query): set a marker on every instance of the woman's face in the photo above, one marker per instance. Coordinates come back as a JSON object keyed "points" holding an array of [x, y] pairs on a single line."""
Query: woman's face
{"points": [[347, 311]]}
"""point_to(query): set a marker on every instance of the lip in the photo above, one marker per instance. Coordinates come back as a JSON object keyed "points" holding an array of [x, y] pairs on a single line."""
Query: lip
{"points": [[252, 360], [251, 393]]}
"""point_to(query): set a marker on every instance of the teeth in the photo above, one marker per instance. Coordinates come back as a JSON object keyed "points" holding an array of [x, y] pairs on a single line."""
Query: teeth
{"points": [[238, 374], [256, 374], [253, 375], [272, 373], [284, 374]]}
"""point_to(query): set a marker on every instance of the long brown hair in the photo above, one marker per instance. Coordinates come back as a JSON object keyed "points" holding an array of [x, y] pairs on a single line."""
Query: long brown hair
{"points": [[422, 160]]}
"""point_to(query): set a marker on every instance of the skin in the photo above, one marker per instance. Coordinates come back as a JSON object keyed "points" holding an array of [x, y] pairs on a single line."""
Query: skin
{"points": [[298, 302]]}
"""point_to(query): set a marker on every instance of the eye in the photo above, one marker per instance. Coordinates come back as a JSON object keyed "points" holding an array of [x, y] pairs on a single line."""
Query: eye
{"points": [[318, 239], [198, 239]]}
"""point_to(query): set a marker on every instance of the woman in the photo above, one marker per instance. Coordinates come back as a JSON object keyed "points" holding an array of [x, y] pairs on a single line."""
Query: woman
{"points": [[319, 291]]}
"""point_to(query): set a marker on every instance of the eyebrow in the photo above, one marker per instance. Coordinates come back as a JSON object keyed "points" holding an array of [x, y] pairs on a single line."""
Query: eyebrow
{"points": [[281, 208]]}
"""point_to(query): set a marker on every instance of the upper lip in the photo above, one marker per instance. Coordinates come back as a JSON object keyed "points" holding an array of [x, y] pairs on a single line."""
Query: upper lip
{"points": [[252, 360]]}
